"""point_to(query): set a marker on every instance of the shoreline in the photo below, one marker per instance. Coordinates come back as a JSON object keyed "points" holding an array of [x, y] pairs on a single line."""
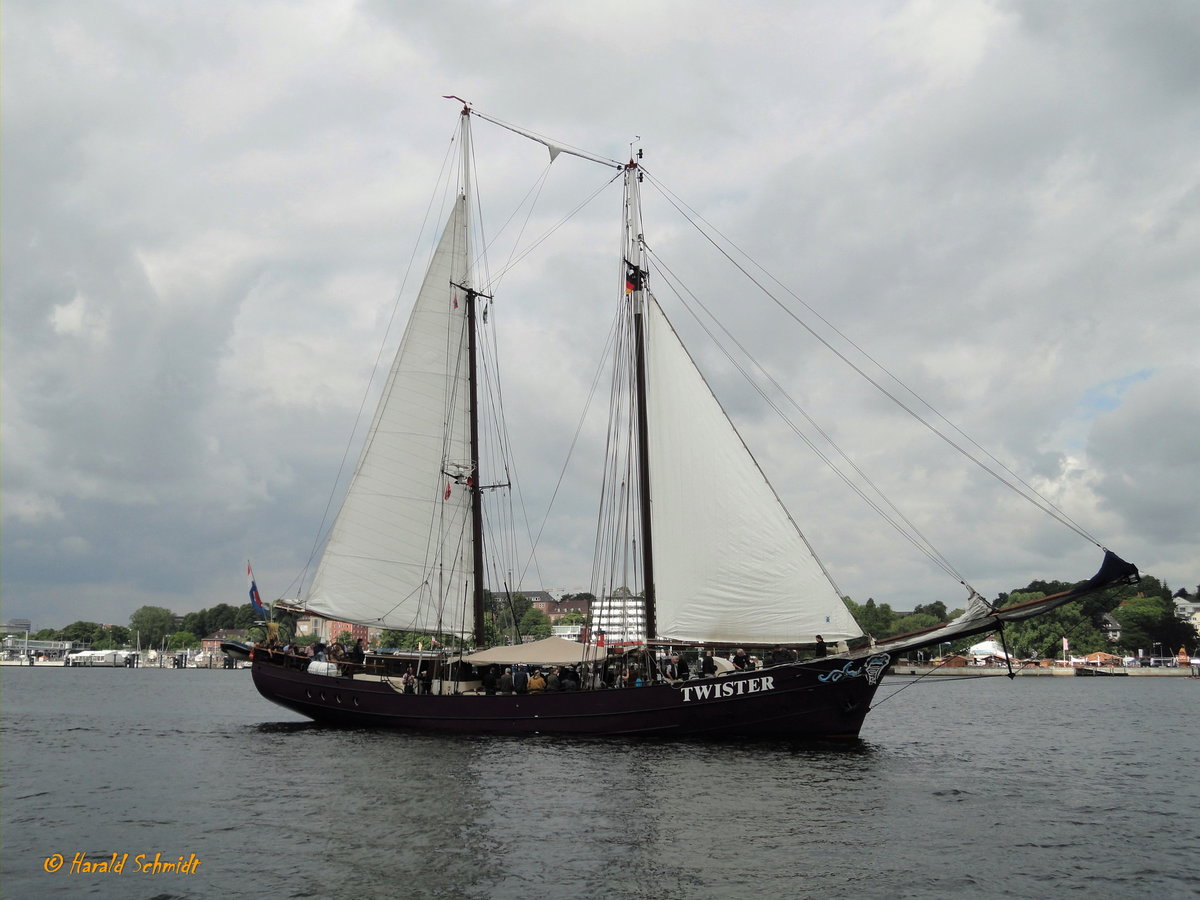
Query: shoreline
{"points": [[903, 670], [1040, 671]]}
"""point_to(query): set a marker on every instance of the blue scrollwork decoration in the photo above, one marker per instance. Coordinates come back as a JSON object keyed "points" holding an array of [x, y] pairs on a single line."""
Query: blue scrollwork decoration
{"points": [[872, 670]]}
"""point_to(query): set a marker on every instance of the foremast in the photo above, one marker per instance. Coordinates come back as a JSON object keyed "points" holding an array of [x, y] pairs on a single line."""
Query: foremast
{"points": [[635, 289]]}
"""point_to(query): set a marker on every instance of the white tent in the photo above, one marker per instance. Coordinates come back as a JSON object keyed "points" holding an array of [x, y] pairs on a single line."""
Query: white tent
{"points": [[551, 651], [988, 648]]}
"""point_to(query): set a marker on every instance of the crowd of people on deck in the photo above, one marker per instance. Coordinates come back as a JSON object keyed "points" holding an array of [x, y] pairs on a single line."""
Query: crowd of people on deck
{"points": [[522, 679], [636, 668]]}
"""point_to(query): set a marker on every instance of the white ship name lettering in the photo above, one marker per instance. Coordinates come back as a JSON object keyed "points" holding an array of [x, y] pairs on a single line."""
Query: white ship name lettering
{"points": [[728, 688]]}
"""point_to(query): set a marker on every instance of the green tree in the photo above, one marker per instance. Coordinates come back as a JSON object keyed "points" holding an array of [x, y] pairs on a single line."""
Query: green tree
{"points": [[111, 637], [1041, 637], [573, 618], [410, 640], [535, 624], [1079, 622], [181, 640], [85, 632], [876, 620], [222, 616], [153, 624], [197, 623], [392, 639], [513, 610], [1150, 619], [915, 622], [937, 609]]}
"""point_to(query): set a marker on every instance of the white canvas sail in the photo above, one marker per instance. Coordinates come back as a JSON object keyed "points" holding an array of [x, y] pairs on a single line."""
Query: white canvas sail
{"points": [[729, 562], [399, 554]]}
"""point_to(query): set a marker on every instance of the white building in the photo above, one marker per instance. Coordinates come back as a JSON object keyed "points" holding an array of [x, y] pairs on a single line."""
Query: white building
{"points": [[621, 616]]}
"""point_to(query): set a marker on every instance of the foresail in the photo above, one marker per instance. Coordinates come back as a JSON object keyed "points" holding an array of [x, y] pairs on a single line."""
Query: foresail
{"points": [[729, 562], [399, 554]]}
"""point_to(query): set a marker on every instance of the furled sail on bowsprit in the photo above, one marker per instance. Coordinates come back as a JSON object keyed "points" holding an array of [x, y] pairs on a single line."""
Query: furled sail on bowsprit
{"points": [[740, 571], [400, 551]]}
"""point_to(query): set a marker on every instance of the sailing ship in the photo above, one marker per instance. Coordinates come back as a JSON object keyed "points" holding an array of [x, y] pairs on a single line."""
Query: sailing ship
{"points": [[705, 553]]}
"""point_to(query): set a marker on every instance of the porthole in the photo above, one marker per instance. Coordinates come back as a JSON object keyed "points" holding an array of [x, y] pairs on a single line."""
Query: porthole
{"points": [[355, 701], [337, 697], [308, 693], [322, 695]]}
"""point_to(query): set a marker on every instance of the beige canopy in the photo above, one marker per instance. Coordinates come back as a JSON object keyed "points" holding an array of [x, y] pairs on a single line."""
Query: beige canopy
{"points": [[551, 651]]}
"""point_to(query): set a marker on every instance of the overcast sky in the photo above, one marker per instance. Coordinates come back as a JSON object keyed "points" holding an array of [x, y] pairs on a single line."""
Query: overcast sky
{"points": [[208, 209]]}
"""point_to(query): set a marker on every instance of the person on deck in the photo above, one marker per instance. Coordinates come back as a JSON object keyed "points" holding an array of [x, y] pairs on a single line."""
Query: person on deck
{"points": [[537, 684], [820, 650], [521, 681], [506, 681], [708, 665], [677, 668], [740, 660]]}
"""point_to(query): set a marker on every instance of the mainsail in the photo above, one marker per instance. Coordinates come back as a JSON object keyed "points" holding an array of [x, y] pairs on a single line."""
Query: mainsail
{"points": [[400, 552], [729, 562]]}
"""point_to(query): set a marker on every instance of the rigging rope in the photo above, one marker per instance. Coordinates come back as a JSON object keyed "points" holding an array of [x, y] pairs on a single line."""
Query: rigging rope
{"points": [[1022, 665], [913, 534], [1029, 494]]}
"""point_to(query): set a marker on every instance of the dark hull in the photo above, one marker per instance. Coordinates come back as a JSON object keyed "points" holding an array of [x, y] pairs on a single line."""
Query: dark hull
{"points": [[821, 699], [236, 650]]}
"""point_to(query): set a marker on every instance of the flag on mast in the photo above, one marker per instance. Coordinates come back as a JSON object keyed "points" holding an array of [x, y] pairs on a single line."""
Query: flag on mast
{"points": [[255, 599]]}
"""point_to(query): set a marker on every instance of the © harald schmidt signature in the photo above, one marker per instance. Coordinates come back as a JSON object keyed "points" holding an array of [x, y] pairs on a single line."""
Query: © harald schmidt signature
{"points": [[115, 864]]}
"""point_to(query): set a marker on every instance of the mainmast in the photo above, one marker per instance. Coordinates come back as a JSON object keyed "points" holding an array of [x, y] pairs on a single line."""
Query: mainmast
{"points": [[475, 483], [635, 287]]}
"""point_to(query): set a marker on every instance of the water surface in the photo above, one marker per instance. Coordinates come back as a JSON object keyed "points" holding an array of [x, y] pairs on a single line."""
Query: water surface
{"points": [[1039, 787]]}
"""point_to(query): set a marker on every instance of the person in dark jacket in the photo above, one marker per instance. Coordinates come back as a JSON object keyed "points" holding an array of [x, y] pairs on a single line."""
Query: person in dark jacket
{"points": [[820, 650], [708, 665], [677, 668], [506, 682], [570, 680]]}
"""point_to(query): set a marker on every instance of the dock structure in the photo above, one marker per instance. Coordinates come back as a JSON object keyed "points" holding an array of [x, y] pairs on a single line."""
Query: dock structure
{"points": [[22, 651]]}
